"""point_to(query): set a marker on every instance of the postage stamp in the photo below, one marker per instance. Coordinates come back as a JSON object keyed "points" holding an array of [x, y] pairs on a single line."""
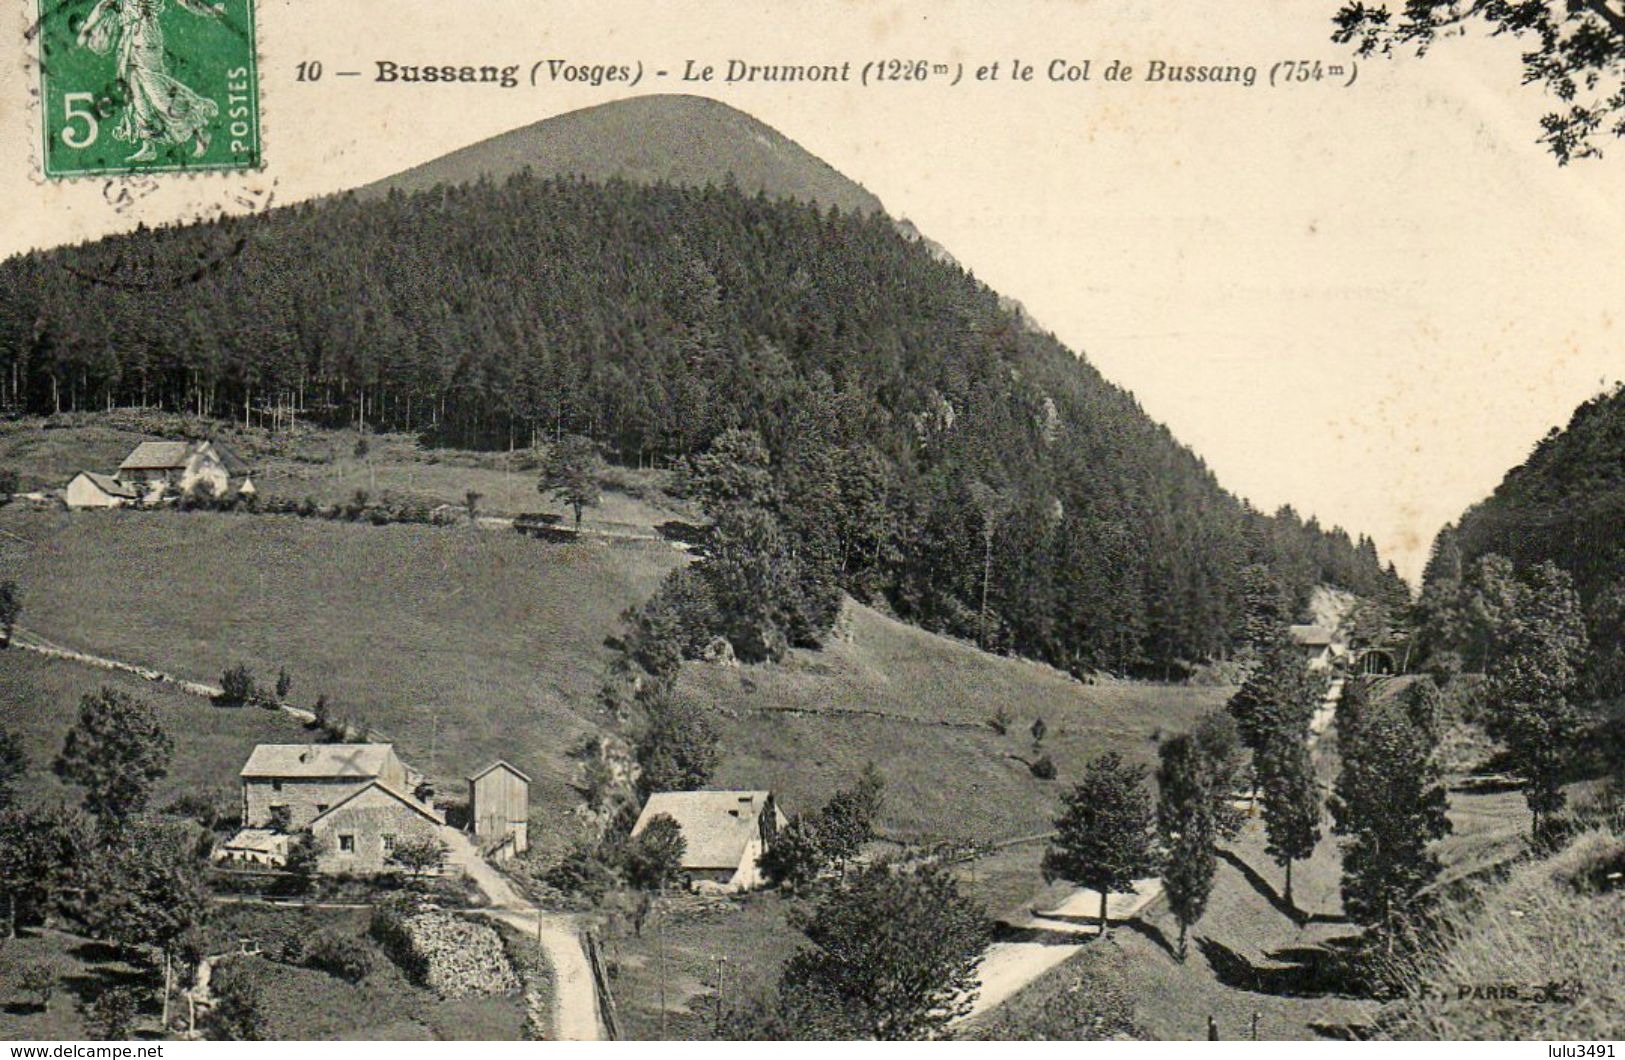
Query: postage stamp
{"points": [[148, 86]]}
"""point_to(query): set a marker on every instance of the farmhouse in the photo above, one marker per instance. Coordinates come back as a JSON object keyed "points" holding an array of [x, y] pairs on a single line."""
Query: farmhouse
{"points": [[1319, 646], [724, 833], [157, 467], [90, 490], [499, 810], [355, 799]]}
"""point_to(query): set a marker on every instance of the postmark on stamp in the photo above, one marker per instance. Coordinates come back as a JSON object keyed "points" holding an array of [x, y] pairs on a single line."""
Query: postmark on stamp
{"points": [[148, 86]]}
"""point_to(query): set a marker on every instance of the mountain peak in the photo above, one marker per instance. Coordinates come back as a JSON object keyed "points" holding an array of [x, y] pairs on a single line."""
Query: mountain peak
{"points": [[680, 139]]}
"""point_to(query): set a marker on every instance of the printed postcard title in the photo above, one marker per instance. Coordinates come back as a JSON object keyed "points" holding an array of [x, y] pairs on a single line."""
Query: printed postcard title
{"points": [[868, 73]]}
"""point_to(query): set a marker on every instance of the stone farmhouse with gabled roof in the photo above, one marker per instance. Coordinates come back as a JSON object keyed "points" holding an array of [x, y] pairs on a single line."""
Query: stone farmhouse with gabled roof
{"points": [[156, 467], [724, 833], [357, 800]]}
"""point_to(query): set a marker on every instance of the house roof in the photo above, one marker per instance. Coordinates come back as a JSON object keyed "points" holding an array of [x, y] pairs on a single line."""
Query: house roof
{"points": [[1313, 636], [157, 456], [717, 825], [405, 800], [110, 485], [173, 456], [263, 840], [234, 464], [356, 760], [500, 764]]}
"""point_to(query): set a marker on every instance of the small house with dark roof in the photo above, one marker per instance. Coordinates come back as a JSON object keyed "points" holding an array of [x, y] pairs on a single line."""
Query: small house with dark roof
{"points": [[160, 467], [357, 800], [1318, 646], [724, 833], [499, 809], [90, 490]]}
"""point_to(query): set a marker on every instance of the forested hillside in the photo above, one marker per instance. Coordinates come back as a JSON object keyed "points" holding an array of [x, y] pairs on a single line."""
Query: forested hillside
{"points": [[1566, 504], [981, 479]]}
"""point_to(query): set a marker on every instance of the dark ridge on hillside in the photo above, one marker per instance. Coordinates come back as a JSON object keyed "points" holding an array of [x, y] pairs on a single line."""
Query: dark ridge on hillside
{"points": [[689, 141]]}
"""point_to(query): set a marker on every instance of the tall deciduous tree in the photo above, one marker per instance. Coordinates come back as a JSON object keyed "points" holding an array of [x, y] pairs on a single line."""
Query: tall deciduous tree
{"points": [[1389, 804], [896, 947], [116, 751], [144, 887], [1223, 761], [1541, 644], [1106, 830], [1186, 828], [1575, 49], [848, 819], [678, 747], [40, 856]]}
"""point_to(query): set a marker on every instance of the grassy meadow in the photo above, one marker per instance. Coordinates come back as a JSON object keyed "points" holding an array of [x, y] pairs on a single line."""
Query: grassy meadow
{"points": [[39, 700], [919, 706], [461, 645]]}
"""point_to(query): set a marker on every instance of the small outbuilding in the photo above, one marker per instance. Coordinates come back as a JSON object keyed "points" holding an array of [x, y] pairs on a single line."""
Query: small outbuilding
{"points": [[499, 809], [1318, 646], [724, 834], [87, 489]]}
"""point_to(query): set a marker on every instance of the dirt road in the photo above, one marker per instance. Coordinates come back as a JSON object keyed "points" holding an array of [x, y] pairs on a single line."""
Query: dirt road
{"points": [[1042, 939], [575, 1004]]}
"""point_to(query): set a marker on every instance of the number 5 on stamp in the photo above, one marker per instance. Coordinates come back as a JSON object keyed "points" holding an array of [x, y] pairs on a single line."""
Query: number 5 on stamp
{"points": [[146, 86]]}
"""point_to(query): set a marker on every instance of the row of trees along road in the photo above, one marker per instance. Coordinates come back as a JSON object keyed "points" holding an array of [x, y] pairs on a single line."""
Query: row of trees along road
{"points": [[1388, 802]]}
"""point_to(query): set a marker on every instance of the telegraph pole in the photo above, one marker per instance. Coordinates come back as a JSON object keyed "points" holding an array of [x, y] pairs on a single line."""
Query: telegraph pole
{"points": [[660, 956], [721, 962]]}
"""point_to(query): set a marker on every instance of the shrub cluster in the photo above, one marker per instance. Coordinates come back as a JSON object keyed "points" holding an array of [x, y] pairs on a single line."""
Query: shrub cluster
{"points": [[338, 955], [360, 508]]}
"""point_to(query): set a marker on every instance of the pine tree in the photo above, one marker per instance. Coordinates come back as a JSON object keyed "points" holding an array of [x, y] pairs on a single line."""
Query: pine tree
{"points": [[1291, 802], [1105, 832], [570, 475], [1185, 825], [116, 751]]}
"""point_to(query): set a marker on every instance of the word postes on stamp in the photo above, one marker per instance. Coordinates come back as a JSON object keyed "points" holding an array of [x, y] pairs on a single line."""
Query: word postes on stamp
{"points": [[145, 86]]}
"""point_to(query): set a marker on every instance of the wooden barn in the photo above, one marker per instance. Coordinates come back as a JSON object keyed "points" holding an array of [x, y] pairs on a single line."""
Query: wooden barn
{"points": [[499, 810]]}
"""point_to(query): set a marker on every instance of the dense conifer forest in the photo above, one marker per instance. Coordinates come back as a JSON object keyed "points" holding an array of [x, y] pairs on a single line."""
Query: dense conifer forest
{"points": [[974, 476], [1565, 504]]}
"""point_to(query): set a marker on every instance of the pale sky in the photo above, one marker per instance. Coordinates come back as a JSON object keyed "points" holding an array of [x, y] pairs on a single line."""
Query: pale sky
{"points": [[1368, 302]]}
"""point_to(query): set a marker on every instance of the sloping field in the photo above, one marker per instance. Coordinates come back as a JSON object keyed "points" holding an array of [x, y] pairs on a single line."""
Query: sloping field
{"points": [[460, 645], [39, 700], [918, 705]]}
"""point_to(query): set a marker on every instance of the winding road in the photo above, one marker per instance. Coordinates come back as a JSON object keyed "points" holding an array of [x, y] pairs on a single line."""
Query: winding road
{"points": [[1041, 939], [575, 1002]]}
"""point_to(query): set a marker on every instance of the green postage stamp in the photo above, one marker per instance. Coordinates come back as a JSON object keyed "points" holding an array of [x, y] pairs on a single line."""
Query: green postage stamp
{"points": [[145, 86]]}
